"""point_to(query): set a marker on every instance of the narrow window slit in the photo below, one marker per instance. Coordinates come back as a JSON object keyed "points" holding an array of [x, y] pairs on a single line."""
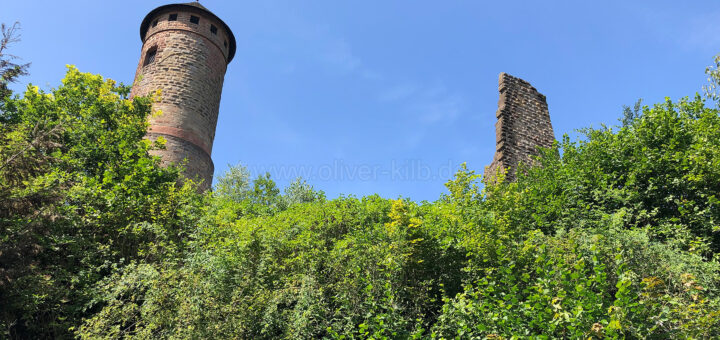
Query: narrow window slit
{"points": [[150, 56]]}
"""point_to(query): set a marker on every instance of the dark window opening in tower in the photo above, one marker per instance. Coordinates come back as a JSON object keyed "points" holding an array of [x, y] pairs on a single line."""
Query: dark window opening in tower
{"points": [[150, 56], [213, 29], [225, 43], [154, 23], [194, 19], [173, 17]]}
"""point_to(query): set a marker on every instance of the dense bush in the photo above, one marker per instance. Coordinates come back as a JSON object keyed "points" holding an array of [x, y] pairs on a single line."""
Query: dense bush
{"points": [[661, 168], [614, 235], [79, 197], [610, 236]]}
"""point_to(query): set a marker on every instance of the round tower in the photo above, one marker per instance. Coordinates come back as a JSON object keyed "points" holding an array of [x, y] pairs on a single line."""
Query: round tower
{"points": [[186, 50]]}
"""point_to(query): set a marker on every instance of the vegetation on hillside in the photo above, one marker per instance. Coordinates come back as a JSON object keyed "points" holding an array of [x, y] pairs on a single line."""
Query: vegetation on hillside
{"points": [[614, 235]]}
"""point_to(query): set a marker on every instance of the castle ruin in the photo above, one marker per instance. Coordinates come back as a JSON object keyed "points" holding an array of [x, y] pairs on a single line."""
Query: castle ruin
{"points": [[523, 125], [185, 53], [186, 50]]}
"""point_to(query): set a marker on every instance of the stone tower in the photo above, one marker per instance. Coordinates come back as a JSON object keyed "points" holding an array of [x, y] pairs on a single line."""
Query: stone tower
{"points": [[523, 125], [186, 50]]}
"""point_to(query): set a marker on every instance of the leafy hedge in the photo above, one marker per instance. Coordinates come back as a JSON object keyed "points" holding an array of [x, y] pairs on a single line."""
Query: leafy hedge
{"points": [[79, 198], [610, 236], [614, 235]]}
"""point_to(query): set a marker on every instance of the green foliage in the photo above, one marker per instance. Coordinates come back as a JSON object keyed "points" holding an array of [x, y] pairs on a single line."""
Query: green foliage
{"points": [[583, 284], [79, 196], [9, 69], [299, 191], [614, 236], [234, 185], [713, 73], [611, 236], [346, 267], [661, 168]]}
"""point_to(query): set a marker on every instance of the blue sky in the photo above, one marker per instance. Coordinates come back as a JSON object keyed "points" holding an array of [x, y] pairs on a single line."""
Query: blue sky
{"points": [[389, 97]]}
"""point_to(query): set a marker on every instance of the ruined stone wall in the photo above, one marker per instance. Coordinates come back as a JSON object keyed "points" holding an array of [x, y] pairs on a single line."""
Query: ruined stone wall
{"points": [[189, 68], [523, 124]]}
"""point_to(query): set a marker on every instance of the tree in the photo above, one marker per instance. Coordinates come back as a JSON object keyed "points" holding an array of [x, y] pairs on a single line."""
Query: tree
{"points": [[299, 191], [234, 184], [79, 197], [9, 70], [614, 237], [713, 85]]}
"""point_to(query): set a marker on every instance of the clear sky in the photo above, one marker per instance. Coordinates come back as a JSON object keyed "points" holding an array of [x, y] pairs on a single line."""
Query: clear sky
{"points": [[389, 97]]}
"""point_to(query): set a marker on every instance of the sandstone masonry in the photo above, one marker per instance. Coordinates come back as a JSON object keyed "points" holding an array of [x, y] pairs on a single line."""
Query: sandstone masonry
{"points": [[186, 50], [523, 125]]}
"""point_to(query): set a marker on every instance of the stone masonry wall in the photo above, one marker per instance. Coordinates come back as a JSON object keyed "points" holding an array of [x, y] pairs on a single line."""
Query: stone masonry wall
{"points": [[189, 69], [523, 125], [178, 150]]}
